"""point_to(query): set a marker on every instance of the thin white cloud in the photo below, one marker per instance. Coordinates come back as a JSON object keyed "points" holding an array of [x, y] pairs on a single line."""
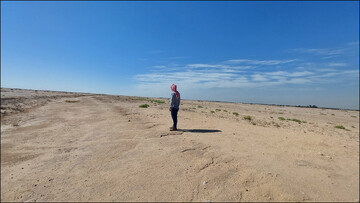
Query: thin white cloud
{"points": [[299, 81], [260, 62], [232, 75], [299, 74], [355, 43], [259, 77], [217, 66], [327, 70], [325, 52], [333, 64], [349, 49], [206, 79], [288, 74]]}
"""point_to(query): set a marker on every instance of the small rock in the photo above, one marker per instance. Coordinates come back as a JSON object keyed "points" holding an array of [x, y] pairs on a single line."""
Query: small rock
{"points": [[128, 120], [204, 182]]}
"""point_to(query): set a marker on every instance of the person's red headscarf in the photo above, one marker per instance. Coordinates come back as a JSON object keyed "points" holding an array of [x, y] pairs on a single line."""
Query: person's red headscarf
{"points": [[173, 88]]}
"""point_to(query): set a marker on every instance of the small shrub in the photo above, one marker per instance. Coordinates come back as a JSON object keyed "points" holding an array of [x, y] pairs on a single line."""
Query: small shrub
{"points": [[353, 126], [200, 106], [304, 121], [225, 110], [271, 117], [281, 118], [158, 101], [296, 120], [217, 109], [277, 125], [72, 101], [253, 123], [236, 113], [144, 106], [340, 127], [333, 114], [212, 111], [353, 116], [322, 114], [247, 118]]}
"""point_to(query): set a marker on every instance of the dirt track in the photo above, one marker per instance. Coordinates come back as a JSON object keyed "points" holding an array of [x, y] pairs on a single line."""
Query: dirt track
{"points": [[106, 148]]}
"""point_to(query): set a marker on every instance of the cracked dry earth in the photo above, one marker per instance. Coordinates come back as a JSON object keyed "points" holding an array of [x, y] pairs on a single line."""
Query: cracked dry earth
{"points": [[106, 148]]}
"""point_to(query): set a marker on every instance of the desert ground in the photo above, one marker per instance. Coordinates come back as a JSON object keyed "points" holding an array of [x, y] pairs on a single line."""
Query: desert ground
{"points": [[58, 146]]}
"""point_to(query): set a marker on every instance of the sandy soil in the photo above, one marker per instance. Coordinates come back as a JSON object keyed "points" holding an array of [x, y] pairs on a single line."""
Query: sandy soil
{"points": [[58, 146]]}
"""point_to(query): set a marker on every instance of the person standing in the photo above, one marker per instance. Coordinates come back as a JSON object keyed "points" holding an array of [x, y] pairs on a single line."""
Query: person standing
{"points": [[174, 106]]}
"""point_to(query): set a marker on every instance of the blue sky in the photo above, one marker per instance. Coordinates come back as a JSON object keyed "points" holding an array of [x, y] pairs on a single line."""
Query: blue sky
{"points": [[297, 53]]}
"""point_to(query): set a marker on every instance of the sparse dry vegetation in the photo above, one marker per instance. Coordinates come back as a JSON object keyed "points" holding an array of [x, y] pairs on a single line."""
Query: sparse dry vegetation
{"points": [[248, 118], [340, 127], [144, 106]]}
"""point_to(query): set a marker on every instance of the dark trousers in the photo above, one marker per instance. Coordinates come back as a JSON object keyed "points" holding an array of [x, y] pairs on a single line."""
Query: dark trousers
{"points": [[174, 112]]}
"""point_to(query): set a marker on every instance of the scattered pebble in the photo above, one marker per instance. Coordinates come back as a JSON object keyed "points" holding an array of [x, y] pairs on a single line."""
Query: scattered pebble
{"points": [[204, 182]]}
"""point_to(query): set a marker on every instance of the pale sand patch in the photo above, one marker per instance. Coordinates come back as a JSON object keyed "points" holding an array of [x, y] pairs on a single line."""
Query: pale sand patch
{"points": [[81, 147]]}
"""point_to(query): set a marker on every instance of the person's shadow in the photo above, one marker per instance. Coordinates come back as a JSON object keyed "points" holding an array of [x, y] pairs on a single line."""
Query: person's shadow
{"points": [[199, 130]]}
